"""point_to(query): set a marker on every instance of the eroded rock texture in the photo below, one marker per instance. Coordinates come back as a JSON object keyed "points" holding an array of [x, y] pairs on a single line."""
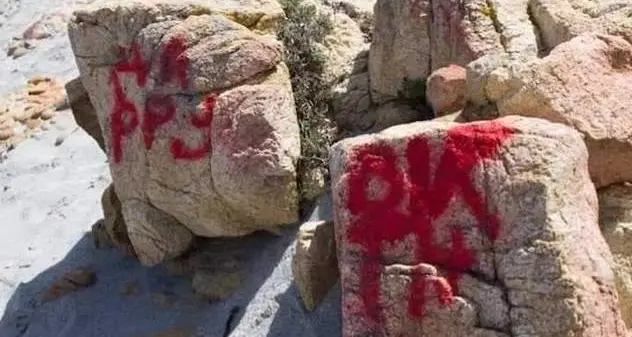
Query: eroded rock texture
{"points": [[615, 215], [583, 83], [412, 38], [479, 229], [197, 114]]}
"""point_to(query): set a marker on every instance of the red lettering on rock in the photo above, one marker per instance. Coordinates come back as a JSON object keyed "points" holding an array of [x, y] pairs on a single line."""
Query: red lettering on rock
{"points": [[180, 150], [174, 62], [391, 217], [136, 66], [125, 117], [159, 110]]}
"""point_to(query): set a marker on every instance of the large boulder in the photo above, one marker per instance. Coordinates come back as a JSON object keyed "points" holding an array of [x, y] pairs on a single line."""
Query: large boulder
{"points": [[342, 46], [584, 83], [197, 114], [412, 38], [562, 20], [615, 219], [463, 31], [479, 229]]}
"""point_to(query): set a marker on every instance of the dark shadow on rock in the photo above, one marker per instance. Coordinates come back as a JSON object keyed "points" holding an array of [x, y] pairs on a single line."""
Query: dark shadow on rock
{"points": [[293, 320], [320, 209], [131, 300], [356, 114], [351, 100]]}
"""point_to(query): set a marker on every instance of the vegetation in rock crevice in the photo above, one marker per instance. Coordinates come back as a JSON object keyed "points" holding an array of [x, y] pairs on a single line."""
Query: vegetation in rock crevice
{"points": [[413, 93], [302, 34]]}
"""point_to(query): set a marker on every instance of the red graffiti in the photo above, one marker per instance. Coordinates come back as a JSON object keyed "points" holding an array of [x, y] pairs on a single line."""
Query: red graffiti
{"points": [[124, 114], [174, 62], [390, 217], [179, 150], [159, 109]]}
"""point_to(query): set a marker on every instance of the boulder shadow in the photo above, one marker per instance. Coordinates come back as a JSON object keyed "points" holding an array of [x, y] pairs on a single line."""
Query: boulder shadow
{"points": [[292, 319], [129, 299]]}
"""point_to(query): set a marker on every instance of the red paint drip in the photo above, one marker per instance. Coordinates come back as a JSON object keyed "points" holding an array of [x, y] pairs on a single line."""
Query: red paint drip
{"points": [[179, 149], [174, 62], [380, 221], [159, 110]]}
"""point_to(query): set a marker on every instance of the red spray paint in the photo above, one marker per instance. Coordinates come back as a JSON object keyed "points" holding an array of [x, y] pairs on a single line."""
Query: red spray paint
{"points": [[385, 220], [159, 109], [180, 150], [125, 117], [174, 62]]}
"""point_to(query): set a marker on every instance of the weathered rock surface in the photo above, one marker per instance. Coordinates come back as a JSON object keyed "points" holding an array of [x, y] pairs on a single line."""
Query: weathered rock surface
{"points": [[478, 229], [114, 223], [615, 215], [463, 32], [583, 83], [351, 98], [83, 111], [445, 90], [412, 38], [400, 48], [343, 45], [197, 115], [361, 11], [561, 20], [315, 266]]}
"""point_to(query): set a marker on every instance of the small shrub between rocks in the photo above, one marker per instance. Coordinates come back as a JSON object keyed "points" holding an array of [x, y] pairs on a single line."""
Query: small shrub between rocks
{"points": [[302, 34], [413, 92]]}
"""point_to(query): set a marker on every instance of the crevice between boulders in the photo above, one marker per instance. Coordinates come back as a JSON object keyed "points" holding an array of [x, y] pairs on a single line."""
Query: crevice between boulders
{"points": [[492, 14], [542, 50]]}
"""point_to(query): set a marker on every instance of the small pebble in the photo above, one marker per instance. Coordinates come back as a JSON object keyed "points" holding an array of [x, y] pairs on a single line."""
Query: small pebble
{"points": [[59, 140], [47, 114], [6, 133], [33, 123]]}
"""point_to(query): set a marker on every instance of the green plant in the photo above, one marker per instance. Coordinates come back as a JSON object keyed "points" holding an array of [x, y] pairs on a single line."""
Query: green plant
{"points": [[302, 34], [489, 11], [413, 92]]}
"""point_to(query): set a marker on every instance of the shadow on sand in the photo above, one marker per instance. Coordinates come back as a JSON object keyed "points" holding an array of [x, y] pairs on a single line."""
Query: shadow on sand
{"points": [[131, 300]]}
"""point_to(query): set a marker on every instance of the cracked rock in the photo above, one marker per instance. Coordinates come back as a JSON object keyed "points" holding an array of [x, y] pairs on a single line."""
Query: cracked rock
{"points": [[583, 83], [477, 229], [412, 38], [197, 116], [400, 48], [615, 215], [83, 111]]}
